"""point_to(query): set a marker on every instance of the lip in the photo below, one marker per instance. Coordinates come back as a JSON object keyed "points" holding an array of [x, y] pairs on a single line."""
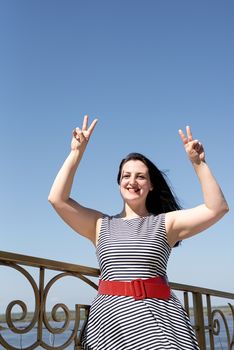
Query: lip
{"points": [[133, 190]]}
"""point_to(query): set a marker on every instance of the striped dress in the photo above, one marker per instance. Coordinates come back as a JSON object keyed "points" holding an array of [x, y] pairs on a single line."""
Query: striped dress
{"points": [[129, 249]]}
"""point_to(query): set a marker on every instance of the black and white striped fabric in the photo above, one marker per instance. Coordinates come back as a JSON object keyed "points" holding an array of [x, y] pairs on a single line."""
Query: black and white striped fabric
{"points": [[129, 249]]}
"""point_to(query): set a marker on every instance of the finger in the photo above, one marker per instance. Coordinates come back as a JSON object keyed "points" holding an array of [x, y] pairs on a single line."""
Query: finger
{"points": [[92, 126], [198, 146], [78, 134], [189, 133], [183, 138], [75, 132], [85, 122]]}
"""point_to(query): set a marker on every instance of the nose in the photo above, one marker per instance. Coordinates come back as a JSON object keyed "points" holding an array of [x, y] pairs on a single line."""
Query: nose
{"points": [[132, 181]]}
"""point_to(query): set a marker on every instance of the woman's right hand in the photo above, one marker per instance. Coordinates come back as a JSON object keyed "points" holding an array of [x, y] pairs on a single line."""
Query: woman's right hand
{"points": [[80, 137]]}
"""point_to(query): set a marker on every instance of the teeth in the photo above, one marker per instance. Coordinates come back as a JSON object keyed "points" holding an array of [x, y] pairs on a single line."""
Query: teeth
{"points": [[133, 190]]}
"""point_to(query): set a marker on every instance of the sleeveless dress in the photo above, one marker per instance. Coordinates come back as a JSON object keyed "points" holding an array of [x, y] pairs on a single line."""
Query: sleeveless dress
{"points": [[128, 249]]}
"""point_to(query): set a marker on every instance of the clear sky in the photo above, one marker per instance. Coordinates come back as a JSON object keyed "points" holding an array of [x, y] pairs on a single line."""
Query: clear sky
{"points": [[145, 68]]}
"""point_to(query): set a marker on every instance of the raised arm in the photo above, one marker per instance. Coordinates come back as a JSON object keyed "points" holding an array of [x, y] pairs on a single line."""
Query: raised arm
{"points": [[83, 220], [183, 224]]}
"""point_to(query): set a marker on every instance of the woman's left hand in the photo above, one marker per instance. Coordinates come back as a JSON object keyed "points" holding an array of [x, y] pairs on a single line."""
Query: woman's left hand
{"points": [[193, 148]]}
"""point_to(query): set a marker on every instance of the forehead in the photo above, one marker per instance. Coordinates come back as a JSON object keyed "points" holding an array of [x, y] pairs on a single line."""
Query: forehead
{"points": [[135, 166]]}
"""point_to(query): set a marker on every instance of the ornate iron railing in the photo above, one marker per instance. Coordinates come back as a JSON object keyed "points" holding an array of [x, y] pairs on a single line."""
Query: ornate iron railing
{"points": [[213, 325]]}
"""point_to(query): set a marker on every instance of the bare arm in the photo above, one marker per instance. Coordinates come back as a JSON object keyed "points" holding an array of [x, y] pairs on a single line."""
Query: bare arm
{"points": [[186, 223], [83, 220]]}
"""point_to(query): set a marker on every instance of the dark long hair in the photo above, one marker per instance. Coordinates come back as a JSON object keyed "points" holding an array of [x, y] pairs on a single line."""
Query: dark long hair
{"points": [[161, 199]]}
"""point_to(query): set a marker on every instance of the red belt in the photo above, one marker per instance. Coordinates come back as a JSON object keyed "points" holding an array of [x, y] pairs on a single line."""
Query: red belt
{"points": [[155, 287]]}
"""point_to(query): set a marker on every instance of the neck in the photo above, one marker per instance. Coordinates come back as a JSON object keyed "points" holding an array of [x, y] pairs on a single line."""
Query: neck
{"points": [[129, 212]]}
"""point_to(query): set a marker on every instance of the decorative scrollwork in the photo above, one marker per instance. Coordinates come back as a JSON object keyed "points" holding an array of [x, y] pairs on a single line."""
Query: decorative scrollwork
{"points": [[23, 316], [216, 327], [66, 311], [24, 312], [56, 319], [40, 316]]}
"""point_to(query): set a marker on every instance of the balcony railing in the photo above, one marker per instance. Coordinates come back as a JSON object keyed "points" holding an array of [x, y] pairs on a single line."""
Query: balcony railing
{"points": [[213, 325]]}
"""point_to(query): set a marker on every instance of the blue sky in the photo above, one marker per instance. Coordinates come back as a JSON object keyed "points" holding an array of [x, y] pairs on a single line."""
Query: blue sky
{"points": [[145, 69]]}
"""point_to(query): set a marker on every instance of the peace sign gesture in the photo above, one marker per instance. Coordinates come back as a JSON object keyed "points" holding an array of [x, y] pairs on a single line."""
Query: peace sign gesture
{"points": [[193, 148], [80, 137]]}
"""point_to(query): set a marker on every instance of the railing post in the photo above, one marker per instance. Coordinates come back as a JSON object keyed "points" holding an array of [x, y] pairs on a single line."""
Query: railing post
{"points": [[209, 327], [199, 320], [41, 304]]}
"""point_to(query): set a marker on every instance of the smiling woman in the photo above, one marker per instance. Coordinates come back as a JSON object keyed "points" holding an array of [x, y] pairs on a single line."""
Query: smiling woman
{"points": [[135, 308]]}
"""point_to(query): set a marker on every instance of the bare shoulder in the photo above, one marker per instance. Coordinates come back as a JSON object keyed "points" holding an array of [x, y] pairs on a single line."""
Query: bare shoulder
{"points": [[98, 229], [185, 223], [169, 223], [169, 219], [83, 220]]}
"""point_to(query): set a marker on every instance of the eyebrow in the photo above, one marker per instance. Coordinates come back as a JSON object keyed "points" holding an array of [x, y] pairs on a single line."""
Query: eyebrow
{"points": [[129, 172]]}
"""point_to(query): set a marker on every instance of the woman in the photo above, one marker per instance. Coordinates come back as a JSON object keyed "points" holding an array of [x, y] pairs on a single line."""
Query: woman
{"points": [[134, 308]]}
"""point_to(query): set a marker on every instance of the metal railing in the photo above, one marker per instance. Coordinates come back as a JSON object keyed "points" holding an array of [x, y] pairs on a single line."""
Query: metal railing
{"points": [[213, 325]]}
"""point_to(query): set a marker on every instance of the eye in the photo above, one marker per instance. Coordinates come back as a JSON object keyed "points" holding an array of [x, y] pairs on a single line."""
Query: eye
{"points": [[125, 176], [141, 176]]}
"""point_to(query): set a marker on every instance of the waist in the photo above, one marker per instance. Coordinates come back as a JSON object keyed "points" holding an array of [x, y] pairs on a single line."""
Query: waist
{"points": [[155, 287]]}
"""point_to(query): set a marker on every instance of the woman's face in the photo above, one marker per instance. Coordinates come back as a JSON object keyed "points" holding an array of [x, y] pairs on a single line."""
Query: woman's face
{"points": [[135, 182]]}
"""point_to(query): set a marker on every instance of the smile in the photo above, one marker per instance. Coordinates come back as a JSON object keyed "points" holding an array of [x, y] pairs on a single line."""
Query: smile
{"points": [[133, 190]]}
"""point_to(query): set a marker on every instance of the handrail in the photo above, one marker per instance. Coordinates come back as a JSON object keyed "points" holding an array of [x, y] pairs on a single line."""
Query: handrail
{"points": [[202, 290], [46, 263], [208, 320]]}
